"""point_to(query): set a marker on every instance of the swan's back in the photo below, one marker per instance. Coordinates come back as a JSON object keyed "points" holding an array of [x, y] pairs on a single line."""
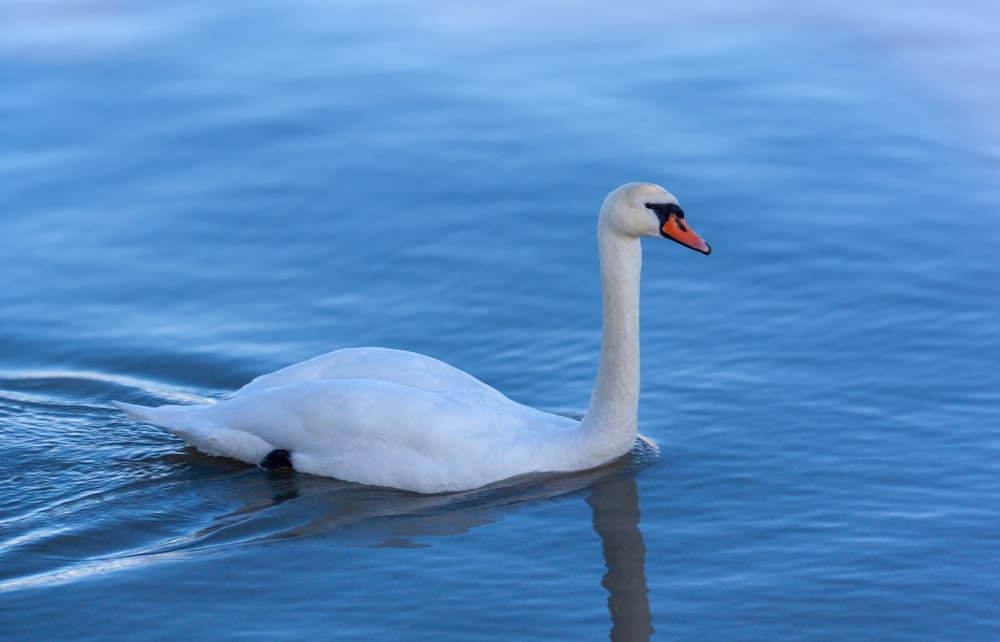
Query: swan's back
{"points": [[379, 364], [376, 416]]}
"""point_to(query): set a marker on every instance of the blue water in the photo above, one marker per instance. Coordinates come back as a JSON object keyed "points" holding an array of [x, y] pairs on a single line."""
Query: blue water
{"points": [[196, 193]]}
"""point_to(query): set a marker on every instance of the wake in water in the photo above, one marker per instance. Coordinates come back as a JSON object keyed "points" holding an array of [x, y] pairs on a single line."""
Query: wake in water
{"points": [[93, 492]]}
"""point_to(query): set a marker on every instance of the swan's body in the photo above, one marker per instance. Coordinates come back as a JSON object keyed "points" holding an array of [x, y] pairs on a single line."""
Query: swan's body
{"points": [[404, 420]]}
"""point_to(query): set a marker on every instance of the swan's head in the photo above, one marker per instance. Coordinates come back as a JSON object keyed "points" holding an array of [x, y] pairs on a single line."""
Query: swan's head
{"points": [[645, 209]]}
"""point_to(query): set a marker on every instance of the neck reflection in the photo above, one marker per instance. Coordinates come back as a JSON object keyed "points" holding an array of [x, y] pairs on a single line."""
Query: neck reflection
{"points": [[615, 503]]}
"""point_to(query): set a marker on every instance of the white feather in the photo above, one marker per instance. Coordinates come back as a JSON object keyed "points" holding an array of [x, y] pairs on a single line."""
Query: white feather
{"points": [[404, 420]]}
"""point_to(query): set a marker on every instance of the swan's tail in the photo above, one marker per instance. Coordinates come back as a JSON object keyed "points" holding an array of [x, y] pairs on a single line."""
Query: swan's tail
{"points": [[177, 419], [139, 413], [195, 426], [187, 422]]}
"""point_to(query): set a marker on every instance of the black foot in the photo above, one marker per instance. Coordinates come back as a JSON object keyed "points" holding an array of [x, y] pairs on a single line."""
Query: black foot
{"points": [[276, 460]]}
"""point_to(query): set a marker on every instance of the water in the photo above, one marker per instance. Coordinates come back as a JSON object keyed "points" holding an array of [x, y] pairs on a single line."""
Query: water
{"points": [[196, 193]]}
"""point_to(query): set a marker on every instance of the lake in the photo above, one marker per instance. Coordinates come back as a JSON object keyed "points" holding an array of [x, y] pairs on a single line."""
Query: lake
{"points": [[192, 194]]}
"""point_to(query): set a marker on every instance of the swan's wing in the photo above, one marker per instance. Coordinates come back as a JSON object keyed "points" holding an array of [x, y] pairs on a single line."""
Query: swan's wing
{"points": [[387, 434], [382, 364], [358, 414], [450, 433]]}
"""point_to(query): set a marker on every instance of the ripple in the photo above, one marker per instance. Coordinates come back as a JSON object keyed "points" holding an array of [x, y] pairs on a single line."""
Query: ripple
{"points": [[130, 499]]}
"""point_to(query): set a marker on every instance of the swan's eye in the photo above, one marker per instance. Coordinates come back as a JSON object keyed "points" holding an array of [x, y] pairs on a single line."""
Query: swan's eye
{"points": [[666, 209]]}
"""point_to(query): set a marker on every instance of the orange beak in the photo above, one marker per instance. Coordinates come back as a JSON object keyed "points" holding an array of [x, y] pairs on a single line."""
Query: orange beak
{"points": [[676, 229]]}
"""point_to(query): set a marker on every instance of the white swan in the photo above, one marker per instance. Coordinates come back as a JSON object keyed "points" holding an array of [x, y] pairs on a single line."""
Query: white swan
{"points": [[403, 420]]}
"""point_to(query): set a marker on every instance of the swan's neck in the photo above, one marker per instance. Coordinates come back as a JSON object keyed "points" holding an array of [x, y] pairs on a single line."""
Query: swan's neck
{"points": [[612, 417]]}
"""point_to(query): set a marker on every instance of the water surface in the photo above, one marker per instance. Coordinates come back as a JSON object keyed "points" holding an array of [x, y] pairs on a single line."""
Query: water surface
{"points": [[195, 194]]}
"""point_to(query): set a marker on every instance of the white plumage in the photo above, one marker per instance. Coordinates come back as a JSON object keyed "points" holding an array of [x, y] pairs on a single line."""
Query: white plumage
{"points": [[404, 420]]}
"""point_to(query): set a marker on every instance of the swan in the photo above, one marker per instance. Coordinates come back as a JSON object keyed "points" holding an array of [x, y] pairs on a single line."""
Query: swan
{"points": [[403, 420]]}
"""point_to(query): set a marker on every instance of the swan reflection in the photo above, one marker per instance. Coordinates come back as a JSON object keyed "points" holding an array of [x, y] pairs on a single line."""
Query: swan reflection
{"points": [[215, 505], [616, 519], [396, 519]]}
